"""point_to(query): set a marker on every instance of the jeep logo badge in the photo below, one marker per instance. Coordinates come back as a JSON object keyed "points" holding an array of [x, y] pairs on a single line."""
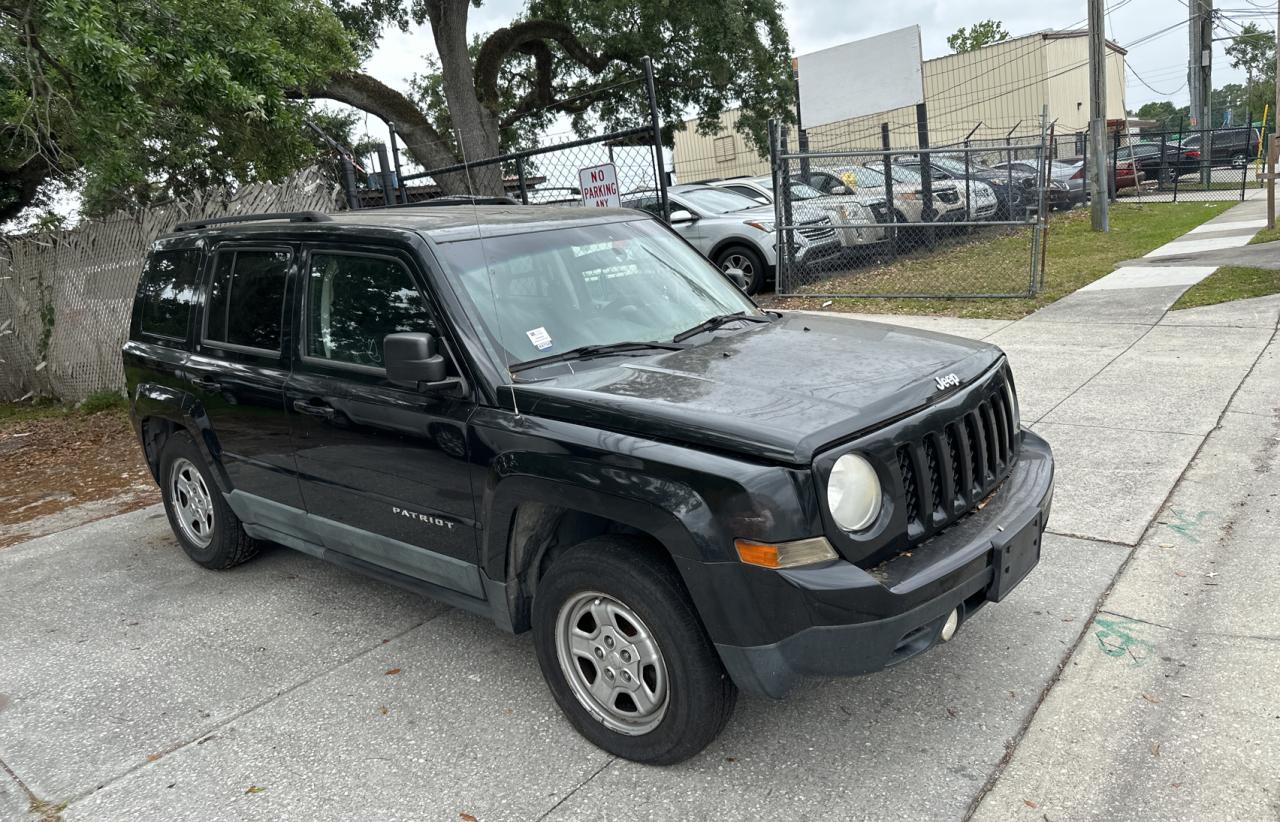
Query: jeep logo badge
{"points": [[946, 381]]}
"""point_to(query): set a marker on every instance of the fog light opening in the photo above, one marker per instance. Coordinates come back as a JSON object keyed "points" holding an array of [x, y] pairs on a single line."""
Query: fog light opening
{"points": [[953, 622]]}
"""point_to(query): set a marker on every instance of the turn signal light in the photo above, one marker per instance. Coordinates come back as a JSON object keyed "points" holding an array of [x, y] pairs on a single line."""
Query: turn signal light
{"points": [[784, 554]]}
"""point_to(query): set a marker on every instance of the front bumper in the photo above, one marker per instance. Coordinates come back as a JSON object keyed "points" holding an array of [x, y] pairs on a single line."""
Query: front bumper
{"points": [[862, 621]]}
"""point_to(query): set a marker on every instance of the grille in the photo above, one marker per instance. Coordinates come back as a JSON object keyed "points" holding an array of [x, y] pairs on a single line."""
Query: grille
{"points": [[817, 229], [949, 197], [950, 469]]}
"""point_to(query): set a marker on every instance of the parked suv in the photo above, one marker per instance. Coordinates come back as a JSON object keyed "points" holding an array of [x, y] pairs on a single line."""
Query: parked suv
{"points": [[855, 213], [568, 421], [1228, 146], [736, 232]]}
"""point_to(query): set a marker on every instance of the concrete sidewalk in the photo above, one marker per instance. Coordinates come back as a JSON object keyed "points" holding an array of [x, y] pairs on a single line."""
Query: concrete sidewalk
{"points": [[135, 685]]}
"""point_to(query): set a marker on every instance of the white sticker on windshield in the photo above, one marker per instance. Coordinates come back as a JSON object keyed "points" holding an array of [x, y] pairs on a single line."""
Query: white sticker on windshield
{"points": [[540, 338]]}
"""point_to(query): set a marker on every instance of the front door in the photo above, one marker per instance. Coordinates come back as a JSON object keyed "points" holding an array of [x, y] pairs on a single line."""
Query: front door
{"points": [[239, 367], [383, 467]]}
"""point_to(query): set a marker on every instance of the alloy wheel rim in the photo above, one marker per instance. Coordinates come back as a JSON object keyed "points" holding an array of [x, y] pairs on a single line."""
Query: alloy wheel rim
{"points": [[739, 262], [192, 502], [612, 663]]}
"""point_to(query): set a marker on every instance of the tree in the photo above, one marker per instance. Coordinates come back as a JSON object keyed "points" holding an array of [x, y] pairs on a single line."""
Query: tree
{"points": [[1167, 116], [147, 99], [1254, 51], [982, 33], [574, 57]]}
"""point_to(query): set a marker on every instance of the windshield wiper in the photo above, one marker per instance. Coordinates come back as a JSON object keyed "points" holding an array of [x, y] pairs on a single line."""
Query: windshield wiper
{"points": [[585, 352], [712, 323]]}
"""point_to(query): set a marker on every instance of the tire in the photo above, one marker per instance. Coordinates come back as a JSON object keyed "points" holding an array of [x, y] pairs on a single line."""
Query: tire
{"points": [[689, 695], [204, 524], [739, 256], [1238, 160]]}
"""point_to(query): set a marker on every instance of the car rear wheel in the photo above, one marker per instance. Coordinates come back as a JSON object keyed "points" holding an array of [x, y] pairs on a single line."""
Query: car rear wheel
{"points": [[206, 527], [748, 262], [625, 655], [1239, 160]]}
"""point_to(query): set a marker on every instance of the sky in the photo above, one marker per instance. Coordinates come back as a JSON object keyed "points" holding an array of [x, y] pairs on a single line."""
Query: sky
{"points": [[1160, 61]]}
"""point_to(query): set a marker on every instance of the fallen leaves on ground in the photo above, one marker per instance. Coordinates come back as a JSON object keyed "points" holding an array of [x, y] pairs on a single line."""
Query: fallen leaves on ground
{"points": [[53, 463], [254, 789], [391, 672], [466, 817]]}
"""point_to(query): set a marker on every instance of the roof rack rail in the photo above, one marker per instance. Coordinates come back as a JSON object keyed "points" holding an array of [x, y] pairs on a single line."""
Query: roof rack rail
{"points": [[448, 200], [291, 216]]}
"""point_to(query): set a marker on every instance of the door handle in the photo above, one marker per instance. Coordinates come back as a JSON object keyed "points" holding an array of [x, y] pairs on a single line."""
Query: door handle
{"points": [[311, 409], [207, 383]]}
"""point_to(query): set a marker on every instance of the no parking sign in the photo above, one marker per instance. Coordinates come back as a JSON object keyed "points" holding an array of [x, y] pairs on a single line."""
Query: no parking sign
{"points": [[599, 186]]}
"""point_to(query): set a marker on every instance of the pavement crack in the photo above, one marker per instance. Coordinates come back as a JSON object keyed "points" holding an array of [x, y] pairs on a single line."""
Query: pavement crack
{"points": [[207, 732], [577, 788]]}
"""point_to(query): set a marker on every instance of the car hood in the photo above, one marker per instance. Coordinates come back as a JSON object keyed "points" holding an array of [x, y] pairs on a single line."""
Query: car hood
{"points": [[781, 391]]}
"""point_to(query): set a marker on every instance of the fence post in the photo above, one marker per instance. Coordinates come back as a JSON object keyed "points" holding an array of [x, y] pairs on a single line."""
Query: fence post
{"points": [[888, 192], [926, 178], [1115, 159], [1042, 205], [395, 161], [779, 217], [659, 165], [384, 168], [1244, 167], [968, 191], [349, 182], [524, 181], [1181, 155]]}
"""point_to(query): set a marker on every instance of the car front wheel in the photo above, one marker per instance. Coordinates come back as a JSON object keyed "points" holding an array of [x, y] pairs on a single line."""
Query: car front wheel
{"points": [[748, 262], [208, 530], [625, 655]]}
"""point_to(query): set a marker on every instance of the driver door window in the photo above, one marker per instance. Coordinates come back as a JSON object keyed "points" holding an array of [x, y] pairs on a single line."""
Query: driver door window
{"points": [[353, 301]]}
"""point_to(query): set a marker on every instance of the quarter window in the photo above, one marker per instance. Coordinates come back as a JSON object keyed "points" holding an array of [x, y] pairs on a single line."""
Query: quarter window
{"points": [[246, 298], [354, 301], [166, 292]]}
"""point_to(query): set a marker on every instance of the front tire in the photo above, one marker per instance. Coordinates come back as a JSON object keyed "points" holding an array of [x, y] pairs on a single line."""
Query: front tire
{"points": [[748, 261], [625, 655], [206, 527]]}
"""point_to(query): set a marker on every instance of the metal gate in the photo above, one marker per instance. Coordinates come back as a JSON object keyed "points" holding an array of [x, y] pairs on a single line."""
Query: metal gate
{"points": [[886, 222]]}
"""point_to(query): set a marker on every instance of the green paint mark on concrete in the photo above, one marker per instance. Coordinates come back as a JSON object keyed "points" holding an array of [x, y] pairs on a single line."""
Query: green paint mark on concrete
{"points": [[1116, 640], [1184, 525]]}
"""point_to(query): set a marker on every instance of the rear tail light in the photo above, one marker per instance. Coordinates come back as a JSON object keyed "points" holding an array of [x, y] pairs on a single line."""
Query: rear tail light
{"points": [[1079, 175], [1193, 154]]}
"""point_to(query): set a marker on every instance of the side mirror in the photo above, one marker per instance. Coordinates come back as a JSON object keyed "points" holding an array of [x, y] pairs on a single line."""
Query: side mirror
{"points": [[738, 276], [681, 215], [411, 359]]}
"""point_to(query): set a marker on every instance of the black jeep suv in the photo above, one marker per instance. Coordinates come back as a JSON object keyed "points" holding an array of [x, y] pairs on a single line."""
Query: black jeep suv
{"points": [[569, 421]]}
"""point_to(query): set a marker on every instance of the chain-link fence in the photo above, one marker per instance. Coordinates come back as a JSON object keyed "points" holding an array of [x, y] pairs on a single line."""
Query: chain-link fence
{"points": [[65, 296], [855, 222]]}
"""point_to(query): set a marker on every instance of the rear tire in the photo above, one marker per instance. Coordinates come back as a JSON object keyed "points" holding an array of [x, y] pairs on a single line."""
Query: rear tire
{"points": [[206, 527], [610, 609], [749, 261]]}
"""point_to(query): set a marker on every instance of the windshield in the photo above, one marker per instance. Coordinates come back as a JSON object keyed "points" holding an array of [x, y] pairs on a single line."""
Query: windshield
{"points": [[901, 174], [541, 293], [800, 191], [716, 200]]}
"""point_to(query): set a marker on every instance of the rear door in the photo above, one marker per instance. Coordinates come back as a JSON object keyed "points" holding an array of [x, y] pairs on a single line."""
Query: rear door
{"points": [[239, 365], [383, 467]]}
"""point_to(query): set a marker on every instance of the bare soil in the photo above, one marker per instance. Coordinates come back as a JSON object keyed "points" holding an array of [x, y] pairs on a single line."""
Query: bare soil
{"points": [[53, 468]]}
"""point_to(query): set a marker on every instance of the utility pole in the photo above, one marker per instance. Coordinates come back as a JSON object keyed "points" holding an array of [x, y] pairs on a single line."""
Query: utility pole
{"points": [[1199, 76], [1097, 171], [1273, 147]]}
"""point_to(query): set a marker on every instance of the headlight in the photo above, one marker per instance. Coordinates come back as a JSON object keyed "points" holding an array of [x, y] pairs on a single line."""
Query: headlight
{"points": [[764, 225], [853, 493]]}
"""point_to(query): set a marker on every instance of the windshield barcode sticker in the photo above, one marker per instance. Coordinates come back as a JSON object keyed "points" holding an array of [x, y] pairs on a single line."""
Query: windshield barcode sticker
{"points": [[540, 338]]}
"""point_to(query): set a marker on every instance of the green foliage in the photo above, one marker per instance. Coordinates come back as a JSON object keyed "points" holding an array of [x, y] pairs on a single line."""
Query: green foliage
{"points": [[155, 98], [981, 33], [1254, 51], [1231, 283], [100, 401]]}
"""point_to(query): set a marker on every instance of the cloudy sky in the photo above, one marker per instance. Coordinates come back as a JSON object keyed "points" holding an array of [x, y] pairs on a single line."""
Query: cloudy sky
{"points": [[1159, 58]]}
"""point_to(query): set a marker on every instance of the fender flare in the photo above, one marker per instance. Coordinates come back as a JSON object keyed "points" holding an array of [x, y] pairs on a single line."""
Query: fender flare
{"points": [[157, 401]]}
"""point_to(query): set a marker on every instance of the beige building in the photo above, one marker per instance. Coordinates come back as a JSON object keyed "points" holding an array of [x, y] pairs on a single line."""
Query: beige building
{"points": [[981, 95]]}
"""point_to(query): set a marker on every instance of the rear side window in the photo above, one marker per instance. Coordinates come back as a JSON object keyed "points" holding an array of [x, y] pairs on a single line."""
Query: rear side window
{"points": [[354, 301], [167, 291], [246, 298]]}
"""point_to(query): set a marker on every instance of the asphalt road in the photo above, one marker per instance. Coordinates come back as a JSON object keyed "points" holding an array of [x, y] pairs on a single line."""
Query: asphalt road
{"points": [[1133, 675]]}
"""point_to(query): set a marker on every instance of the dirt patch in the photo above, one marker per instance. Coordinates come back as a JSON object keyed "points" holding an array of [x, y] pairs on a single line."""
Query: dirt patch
{"points": [[66, 461]]}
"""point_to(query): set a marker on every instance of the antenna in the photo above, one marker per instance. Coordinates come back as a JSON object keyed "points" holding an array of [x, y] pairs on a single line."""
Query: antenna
{"points": [[484, 255]]}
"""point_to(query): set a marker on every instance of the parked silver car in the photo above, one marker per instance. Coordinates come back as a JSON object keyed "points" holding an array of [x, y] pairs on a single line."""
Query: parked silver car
{"points": [[849, 210], [734, 231]]}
